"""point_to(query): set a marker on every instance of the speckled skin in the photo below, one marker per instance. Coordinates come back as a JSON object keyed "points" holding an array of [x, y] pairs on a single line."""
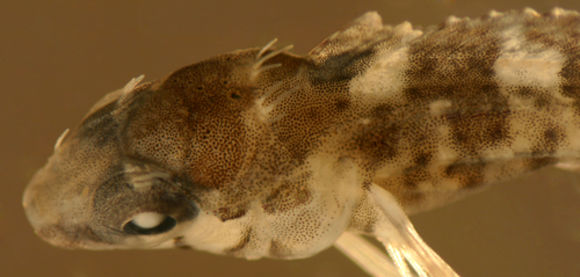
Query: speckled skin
{"points": [[259, 153]]}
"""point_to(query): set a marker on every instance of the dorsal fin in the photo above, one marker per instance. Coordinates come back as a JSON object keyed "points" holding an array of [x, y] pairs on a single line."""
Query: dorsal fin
{"points": [[359, 31], [362, 33]]}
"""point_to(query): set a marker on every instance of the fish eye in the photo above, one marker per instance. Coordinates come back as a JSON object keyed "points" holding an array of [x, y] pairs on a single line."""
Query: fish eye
{"points": [[149, 223]]}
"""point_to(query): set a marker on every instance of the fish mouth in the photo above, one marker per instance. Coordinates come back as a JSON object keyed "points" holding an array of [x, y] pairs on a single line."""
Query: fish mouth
{"points": [[74, 237], [35, 215], [44, 208]]}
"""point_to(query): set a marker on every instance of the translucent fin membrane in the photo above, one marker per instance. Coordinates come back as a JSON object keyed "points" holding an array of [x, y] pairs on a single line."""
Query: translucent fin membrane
{"points": [[409, 254], [371, 259]]}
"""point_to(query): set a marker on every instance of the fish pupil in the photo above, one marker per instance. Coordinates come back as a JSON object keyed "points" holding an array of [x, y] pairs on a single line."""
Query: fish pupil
{"points": [[149, 224]]}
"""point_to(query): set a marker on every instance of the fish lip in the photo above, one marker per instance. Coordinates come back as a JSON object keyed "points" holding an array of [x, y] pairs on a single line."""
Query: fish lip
{"points": [[29, 207], [26, 198], [58, 236], [49, 229]]}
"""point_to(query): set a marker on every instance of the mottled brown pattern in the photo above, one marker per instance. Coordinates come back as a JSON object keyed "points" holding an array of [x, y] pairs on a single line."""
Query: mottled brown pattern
{"points": [[552, 137], [229, 213], [469, 174], [542, 102], [525, 92], [195, 96], [475, 132], [540, 161], [208, 98], [414, 175], [540, 98], [423, 159], [238, 142], [418, 172], [289, 195], [342, 68], [378, 141], [546, 145], [342, 104], [365, 217], [449, 65], [306, 114], [563, 34]]}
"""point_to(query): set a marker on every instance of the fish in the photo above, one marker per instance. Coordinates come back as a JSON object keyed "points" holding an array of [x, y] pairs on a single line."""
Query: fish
{"points": [[263, 153]]}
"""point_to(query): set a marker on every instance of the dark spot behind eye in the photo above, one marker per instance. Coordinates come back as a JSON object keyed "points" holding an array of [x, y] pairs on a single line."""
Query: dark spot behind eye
{"points": [[235, 96], [167, 224]]}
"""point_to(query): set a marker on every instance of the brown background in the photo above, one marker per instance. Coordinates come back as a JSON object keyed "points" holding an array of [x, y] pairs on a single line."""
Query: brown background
{"points": [[58, 57]]}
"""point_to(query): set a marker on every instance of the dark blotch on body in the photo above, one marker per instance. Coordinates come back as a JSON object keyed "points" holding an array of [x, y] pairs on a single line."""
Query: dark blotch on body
{"points": [[470, 175], [450, 64], [414, 175], [287, 196], [546, 145], [539, 162], [379, 140], [342, 104], [342, 68]]}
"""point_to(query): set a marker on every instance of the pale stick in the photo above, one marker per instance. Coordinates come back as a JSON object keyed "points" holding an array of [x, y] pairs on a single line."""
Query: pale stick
{"points": [[401, 240], [368, 257]]}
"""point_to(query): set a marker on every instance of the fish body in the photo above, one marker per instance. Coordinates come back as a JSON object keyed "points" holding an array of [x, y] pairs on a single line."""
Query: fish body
{"points": [[264, 153]]}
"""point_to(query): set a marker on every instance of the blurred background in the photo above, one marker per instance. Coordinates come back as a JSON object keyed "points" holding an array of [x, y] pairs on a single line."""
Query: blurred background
{"points": [[59, 57]]}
